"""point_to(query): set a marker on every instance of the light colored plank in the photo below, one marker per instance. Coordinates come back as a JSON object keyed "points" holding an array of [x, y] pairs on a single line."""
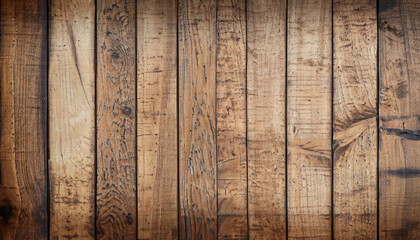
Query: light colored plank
{"points": [[72, 119], [266, 54], [157, 119], [309, 119]]}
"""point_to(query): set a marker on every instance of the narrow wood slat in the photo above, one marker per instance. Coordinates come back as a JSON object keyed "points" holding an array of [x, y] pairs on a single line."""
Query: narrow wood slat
{"points": [[266, 57], [309, 119], [157, 119], [399, 160], [116, 119], [355, 118], [231, 120], [72, 119], [197, 117]]}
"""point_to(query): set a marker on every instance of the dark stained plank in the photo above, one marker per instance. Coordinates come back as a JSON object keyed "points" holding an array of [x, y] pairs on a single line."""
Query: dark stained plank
{"points": [[197, 117], [266, 76], [23, 124], [309, 119], [355, 119], [72, 119], [231, 120], [399, 157], [157, 119], [116, 119]]}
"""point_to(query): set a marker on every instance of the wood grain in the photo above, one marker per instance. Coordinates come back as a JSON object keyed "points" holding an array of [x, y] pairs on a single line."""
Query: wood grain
{"points": [[197, 119], [231, 120], [266, 76], [355, 118], [116, 119], [157, 119], [309, 119], [72, 119], [399, 160], [23, 64]]}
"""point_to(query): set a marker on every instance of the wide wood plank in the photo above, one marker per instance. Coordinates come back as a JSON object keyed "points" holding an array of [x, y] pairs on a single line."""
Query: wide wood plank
{"points": [[231, 120], [157, 119], [266, 56], [355, 118], [72, 119], [309, 119], [23, 64], [197, 119], [399, 160], [116, 119]]}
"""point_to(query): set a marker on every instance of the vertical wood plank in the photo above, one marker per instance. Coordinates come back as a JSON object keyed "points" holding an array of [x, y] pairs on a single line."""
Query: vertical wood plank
{"points": [[72, 119], [266, 57], [116, 119], [309, 119], [157, 119], [197, 116], [23, 49], [231, 120], [355, 122], [399, 160]]}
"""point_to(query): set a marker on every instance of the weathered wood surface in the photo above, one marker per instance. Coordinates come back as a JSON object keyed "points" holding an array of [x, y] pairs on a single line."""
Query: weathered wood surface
{"points": [[72, 119], [309, 119], [197, 119], [157, 119], [266, 76], [116, 119], [355, 119], [399, 157]]}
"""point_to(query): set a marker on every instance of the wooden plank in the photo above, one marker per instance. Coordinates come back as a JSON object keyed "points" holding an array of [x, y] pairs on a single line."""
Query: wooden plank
{"points": [[157, 119], [197, 117], [116, 119], [23, 59], [399, 160], [231, 120], [72, 119], [266, 56], [309, 119], [355, 118]]}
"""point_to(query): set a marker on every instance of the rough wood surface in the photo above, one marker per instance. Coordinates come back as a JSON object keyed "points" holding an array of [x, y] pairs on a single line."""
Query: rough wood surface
{"points": [[355, 118], [399, 160], [72, 119], [309, 119], [116, 119], [266, 56], [197, 119], [231, 120], [157, 119]]}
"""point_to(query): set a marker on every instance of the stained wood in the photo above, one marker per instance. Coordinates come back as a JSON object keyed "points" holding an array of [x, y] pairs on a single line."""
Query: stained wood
{"points": [[266, 76], [72, 119], [23, 185], [309, 119], [231, 120], [355, 118], [197, 119], [399, 161], [157, 119], [116, 119]]}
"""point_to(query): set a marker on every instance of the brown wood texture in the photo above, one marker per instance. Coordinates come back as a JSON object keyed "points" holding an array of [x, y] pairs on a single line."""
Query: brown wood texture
{"points": [[197, 119], [355, 119], [157, 119], [399, 157], [231, 120], [309, 119], [23, 166], [266, 76], [72, 119], [116, 119]]}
